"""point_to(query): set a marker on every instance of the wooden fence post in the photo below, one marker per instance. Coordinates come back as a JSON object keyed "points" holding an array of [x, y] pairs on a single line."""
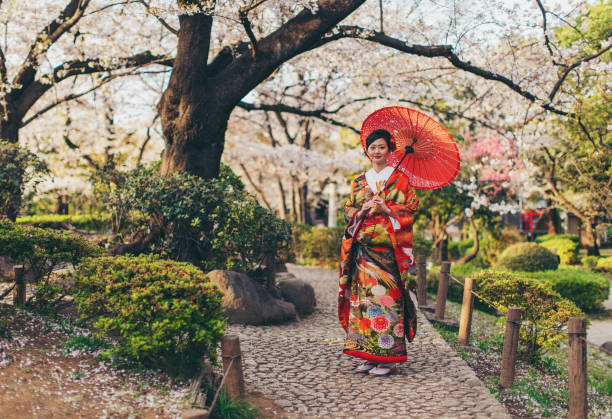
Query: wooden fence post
{"points": [[232, 366], [19, 292], [467, 308], [513, 324], [421, 260], [442, 290], [577, 370]]}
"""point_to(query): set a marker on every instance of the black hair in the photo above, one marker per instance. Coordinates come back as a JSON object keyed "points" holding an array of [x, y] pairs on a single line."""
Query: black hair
{"points": [[377, 134]]}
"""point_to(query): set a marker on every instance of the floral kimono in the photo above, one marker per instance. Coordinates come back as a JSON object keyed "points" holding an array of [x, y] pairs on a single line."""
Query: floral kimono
{"points": [[374, 307]]}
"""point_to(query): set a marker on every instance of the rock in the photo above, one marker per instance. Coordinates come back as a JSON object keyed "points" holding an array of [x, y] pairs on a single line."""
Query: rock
{"points": [[298, 292], [607, 347], [246, 301]]}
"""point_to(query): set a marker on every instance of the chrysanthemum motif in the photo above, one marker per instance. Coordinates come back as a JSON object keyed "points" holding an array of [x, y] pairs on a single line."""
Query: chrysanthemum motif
{"points": [[374, 311], [395, 293], [380, 324], [386, 341], [398, 330], [391, 315], [364, 324], [378, 290], [386, 301]]}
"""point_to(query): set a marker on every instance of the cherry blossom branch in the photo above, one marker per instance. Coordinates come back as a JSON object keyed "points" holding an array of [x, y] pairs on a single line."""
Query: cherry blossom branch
{"points": [[279, 107], [161, 20], [444, 51], [544, 29], [244, 19]]}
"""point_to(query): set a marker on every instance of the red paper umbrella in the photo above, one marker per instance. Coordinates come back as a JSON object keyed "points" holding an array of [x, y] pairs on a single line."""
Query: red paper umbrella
{"points": [[424, 150]]}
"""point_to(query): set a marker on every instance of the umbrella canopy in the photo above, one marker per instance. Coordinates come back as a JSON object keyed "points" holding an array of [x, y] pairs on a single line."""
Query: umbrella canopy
{"points": [[432, 159]]}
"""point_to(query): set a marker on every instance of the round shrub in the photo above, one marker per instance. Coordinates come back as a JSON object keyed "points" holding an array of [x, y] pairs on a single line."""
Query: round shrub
{"points": [[544, 311], [605, 264], [528, 257], [163, 314], [590, 262], [318, 245], [421, 246], [566, 249]]}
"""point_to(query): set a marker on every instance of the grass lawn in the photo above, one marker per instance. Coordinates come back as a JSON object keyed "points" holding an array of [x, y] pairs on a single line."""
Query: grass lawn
{"points": [[539, 390]]}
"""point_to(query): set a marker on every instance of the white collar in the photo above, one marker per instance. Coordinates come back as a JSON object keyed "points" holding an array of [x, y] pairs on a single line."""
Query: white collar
{"points": [[372, 177]]}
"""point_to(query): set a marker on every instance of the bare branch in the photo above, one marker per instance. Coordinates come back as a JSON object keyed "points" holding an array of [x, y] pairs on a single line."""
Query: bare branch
{"points": [[544, 24], [255, 187], [244, 19], [162, 21], [247, 9]]}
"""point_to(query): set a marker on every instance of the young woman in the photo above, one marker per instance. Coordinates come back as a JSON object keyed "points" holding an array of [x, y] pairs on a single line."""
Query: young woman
{"points": [[374, 307]]}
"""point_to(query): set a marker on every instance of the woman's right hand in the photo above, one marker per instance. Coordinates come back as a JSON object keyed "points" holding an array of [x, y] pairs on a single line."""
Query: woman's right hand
{"points": [[365, 209]]}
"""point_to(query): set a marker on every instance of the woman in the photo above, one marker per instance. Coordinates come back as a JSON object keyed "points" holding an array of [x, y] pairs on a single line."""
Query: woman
{"points": [[374, 307]]}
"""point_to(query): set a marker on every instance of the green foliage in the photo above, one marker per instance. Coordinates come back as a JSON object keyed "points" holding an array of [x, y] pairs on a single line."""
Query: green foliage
{"points": [[42, 250], [459, 249], [585, 289], [545, 312], [528, 257], [493, 243], [567, 250], [605, 264], [163, 314], [90, 222], [18, 166], [421, 246], [317, 245], [546, 237], [225, 408], [590, 262], [455, 289], [85, 343], [212, 223]]}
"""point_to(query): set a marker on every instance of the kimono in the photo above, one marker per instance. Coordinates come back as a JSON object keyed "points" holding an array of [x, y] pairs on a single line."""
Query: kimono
{"points": [[376, 270]]}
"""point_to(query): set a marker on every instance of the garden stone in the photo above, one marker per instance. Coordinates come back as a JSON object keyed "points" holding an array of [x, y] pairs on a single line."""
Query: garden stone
{"points": [[298, 292], [246, 301], [607, 347]]}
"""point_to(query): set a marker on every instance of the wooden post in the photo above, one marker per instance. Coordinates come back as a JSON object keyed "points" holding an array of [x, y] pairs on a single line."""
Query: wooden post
{"points": [[513, 324], [19, 292], [421, 260], [467, 308], [577, 369], [442, 291], [232, 366]]}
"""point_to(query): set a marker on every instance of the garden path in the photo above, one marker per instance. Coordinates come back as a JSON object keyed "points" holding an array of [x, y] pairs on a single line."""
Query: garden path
{"points": [[301, 367]]}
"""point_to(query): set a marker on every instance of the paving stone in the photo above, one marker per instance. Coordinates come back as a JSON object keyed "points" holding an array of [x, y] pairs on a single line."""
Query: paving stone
{"points": [[301, 367]]}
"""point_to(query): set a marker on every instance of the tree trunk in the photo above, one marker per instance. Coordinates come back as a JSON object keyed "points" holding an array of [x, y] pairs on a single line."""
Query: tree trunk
{"points": [[9, 127], [283, 200], [590, 238], [443, 249], [62, 204], [472, 253]]}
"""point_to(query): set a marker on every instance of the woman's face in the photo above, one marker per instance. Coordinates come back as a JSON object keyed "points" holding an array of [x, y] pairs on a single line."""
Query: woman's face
{"points": [[378, 151]]}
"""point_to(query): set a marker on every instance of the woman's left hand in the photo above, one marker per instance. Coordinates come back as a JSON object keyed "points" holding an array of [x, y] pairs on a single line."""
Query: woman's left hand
{"points": [[382, 205]]}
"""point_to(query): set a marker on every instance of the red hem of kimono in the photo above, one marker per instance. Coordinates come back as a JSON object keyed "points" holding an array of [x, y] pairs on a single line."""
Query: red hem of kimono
{"points": [[376, 358]]}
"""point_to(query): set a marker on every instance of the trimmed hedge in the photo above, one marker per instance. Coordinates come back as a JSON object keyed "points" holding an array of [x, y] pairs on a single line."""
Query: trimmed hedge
{"points": [[547, 237], [163, 314], [605, 264], [586, 289], [566, 249], [545, 312], [590, 262], [318, 246], [459, 249], [90, 222], [528, 257]]}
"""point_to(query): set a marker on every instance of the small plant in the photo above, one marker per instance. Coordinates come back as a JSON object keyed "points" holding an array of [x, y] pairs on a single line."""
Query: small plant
{"points": [[566, 249], [234, 409], [85, 343], [78, 374], [590, 262]]}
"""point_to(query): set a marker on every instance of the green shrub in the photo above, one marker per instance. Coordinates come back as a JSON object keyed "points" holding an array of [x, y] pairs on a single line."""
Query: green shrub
{"points": [[421, 246], [492, 245], [590, 262], [318, 245], [18, 166], [546, 237], [43, 250], [585, 289], [212, 223], [459, 249], [163, 314], [455, 289], [566, 249], [545, 312], [528, 257], [91, 222], [605, 264]]}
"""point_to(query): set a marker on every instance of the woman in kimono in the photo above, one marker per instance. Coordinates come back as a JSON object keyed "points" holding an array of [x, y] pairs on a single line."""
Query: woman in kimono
{"points": [[377, 261]]}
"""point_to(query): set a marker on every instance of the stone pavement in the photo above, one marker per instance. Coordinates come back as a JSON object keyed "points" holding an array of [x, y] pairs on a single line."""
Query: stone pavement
{"points": [[301, 367]]}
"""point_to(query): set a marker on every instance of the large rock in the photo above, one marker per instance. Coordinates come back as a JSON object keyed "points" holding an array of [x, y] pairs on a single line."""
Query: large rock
{"points": [[246, 301], [296, 291]]}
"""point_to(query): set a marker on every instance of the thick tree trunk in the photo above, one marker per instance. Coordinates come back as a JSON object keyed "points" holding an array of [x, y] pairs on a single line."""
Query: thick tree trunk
{"points": [[590, 239], [9, 128], [283, 200]]}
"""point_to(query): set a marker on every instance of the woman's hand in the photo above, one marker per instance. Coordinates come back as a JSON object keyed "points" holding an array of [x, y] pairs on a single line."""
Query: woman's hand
{"points": [[366, 208], [382, 205]]}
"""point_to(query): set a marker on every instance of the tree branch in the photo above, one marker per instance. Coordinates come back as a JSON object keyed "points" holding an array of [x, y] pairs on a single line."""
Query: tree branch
{"points": [[244, 19], [445, 51], [161, 20], [255, 187]]}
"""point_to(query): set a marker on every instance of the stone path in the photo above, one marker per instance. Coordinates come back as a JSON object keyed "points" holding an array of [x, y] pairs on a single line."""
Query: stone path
{"points": [[301, 367]]}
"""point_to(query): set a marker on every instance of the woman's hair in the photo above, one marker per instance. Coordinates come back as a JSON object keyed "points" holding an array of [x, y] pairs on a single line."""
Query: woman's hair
{"points": [[377, 134]]}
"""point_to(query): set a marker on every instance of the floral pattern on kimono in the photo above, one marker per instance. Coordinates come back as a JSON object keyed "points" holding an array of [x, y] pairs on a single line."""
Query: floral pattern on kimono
{"points": [[374, 307]]}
